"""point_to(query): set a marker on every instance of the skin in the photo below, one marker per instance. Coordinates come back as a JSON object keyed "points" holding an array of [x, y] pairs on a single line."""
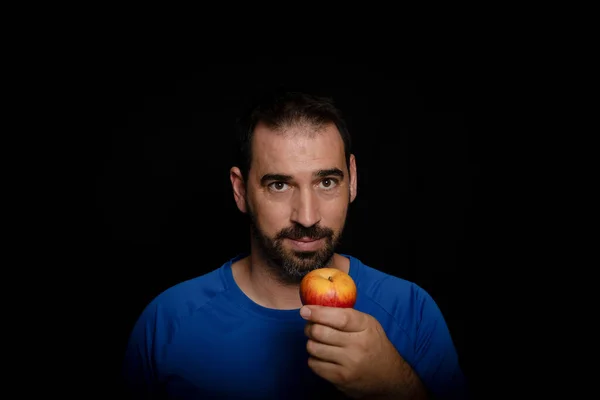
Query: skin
{"points": [[351, 350], [306, 200], [347, 347]]}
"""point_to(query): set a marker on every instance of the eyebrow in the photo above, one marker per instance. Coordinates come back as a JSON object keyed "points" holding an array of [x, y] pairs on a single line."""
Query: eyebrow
{"points": [[322, 173]]}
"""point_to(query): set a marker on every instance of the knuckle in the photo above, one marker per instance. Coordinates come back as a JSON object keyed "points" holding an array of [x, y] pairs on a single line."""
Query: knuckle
{"points": [[342, 376], [344, 320], [318, 331], [312, 330]]}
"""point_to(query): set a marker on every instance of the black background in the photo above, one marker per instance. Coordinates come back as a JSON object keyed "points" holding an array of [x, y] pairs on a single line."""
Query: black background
{"points": [[162, 209]]}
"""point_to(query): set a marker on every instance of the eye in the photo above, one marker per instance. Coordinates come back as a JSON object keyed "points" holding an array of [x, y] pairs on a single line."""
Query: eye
{"points": [[278, 186], [328, 183]]}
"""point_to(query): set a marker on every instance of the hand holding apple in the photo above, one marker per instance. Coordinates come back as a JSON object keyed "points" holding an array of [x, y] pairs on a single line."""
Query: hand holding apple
{"points": [[328, 287], [350, 348]]}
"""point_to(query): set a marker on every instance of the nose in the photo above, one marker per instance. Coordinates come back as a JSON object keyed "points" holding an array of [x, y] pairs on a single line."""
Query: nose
{"points": [[306, 208]]}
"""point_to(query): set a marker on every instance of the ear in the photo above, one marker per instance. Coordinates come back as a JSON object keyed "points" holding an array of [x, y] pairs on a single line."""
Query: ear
{"points": [[239, 188], [353, 178]]}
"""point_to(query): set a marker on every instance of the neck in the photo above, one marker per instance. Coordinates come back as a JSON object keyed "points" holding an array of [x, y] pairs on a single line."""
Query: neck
{"points": [[253, 277]]}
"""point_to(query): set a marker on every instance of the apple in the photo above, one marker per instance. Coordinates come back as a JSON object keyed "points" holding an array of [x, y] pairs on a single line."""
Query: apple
{"points": [[328, 287]]}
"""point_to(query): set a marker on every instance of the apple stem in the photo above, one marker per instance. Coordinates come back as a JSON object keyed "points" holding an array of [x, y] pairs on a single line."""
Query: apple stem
{"points": [[330, 280]]}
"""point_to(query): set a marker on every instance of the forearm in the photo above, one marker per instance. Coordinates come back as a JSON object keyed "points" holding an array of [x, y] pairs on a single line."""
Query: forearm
{"points": [[404, 384]]}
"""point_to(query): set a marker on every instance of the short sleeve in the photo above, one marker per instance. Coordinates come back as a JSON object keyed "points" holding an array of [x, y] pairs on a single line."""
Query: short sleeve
{"points": [[149, 335], [436, 360]]}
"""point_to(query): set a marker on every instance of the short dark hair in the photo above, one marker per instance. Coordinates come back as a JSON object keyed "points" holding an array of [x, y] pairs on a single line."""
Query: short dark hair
{"points": [[279, 109]]}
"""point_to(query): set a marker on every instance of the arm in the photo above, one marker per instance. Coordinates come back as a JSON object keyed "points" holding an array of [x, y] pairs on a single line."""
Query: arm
{"points": [[435, 372], [436, 361], [351, 349], [139, 374], [406, 383]]}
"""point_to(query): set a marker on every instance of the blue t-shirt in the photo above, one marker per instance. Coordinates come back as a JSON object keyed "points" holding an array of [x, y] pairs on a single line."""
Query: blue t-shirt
{"points": [[204, 338]]}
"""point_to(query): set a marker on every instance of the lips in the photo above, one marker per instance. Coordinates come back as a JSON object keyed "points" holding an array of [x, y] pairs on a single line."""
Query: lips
{"points": [[305, 239], [306, 244]]}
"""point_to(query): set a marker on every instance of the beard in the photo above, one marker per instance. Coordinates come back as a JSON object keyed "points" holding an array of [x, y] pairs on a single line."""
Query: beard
{"points": [[289, 266]]}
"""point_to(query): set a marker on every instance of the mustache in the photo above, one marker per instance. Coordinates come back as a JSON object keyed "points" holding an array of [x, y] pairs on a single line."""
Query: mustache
{"points": [[298, 231]]}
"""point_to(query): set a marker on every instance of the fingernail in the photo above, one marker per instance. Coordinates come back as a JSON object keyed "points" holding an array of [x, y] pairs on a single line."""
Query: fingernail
{"points": [[305, 312]]}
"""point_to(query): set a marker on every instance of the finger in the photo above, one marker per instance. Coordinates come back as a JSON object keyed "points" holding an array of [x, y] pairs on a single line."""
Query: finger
{"points": [[325, 334], [325, 352], [334, 373], [343, 319]]}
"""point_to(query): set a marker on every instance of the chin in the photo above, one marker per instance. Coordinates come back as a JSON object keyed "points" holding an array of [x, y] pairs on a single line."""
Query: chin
{"points": [[294, 265], [313, 259]]}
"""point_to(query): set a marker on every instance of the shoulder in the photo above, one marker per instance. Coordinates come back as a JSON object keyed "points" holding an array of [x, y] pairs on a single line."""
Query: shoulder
{"points": [[185, 298], [406, 303], [189, 295], [385, 288]]}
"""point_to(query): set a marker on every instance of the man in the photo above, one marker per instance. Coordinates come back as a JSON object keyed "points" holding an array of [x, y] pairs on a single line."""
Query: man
{"points": [[241, 332]]}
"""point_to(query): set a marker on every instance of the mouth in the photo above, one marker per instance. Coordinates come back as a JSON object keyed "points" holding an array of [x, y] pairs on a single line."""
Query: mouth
{"points": [[305, 239], [306, 243]]}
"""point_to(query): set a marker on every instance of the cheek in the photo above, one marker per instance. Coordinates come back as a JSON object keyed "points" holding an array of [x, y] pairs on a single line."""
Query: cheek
{"points": [[336, 213], [272, 217]]}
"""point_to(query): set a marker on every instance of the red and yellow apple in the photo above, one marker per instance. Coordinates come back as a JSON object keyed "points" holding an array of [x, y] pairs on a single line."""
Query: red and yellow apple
{"points": [[328, 287]]}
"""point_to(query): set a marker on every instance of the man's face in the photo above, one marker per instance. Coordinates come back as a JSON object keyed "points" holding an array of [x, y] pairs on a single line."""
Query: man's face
{"points": [[297, 196]]}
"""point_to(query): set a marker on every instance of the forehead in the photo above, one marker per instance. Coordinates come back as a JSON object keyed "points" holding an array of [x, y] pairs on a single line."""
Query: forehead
{"points": [[297, 148]]}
